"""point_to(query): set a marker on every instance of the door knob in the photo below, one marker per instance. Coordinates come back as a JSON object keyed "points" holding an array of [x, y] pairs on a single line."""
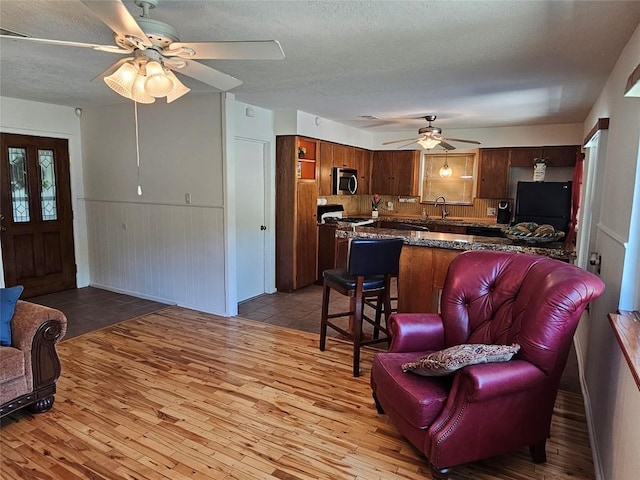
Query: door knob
{"points": [[263, 227]]}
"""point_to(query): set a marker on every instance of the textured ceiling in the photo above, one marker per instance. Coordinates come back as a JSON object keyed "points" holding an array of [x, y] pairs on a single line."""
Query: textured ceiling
{"points": [[474, 64]]}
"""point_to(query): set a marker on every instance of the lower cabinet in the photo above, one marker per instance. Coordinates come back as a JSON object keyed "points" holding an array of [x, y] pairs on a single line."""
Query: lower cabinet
{"points": [[326, 249], [421, 278]]}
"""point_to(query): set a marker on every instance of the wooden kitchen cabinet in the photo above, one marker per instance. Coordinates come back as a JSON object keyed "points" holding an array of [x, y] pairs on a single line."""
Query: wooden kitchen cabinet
{"points": [[344, 156], [325, 168], [395, 172], [561, 156], [363, 165], [326, 249], [493, 173], [557, 156], [333, 155], [296, 210]]}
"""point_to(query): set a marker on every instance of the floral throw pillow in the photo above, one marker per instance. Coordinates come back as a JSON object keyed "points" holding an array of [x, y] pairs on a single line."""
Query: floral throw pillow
{"points": [[444, 362]]}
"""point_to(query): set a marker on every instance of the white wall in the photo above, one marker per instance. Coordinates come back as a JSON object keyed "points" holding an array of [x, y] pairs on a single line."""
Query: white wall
{"points": [[611, 396], [248, 122], [157, 246], [41, 119]]}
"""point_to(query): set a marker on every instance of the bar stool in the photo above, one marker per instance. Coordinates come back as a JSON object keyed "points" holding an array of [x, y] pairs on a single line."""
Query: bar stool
{"points": [[371, 264]]}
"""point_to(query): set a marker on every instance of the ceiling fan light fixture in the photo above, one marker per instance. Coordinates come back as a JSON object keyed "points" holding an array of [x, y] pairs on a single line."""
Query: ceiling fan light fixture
{"points": [[157, 84], [179, 89], [138, 92], [428, 143], [121, 81]]}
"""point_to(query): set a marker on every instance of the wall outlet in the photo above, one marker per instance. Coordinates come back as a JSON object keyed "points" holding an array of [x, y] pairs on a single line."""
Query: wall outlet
{"points": [[491, 212], [389, 205], [187, 198]]}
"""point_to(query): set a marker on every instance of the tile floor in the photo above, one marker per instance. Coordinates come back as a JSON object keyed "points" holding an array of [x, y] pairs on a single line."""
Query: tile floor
{"points": [[92, 308]]}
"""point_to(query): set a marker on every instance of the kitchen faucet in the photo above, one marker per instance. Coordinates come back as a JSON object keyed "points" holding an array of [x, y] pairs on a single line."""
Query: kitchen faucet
{"points": [[444, 206]]}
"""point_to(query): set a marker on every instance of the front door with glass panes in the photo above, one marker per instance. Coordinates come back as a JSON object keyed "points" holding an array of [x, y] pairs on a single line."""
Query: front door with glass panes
{"points": [[37, 220]]}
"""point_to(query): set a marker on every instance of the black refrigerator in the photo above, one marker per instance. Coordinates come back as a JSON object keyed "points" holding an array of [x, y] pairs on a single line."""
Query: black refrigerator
{"points": [[544, 202]]}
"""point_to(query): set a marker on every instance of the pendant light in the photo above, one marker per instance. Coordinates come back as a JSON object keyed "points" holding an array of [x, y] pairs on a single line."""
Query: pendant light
{"points": [[445, 170]]}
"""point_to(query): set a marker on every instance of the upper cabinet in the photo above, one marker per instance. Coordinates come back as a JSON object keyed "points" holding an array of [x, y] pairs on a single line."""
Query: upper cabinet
{"points": [[306, 163], [395, 172], [363, 165], [325, 170], [558, 156], [493, 176]]}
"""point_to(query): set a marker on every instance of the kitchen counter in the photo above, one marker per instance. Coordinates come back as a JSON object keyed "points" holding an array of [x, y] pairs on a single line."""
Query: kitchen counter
{"points": [[454, 241], [426, 257]]}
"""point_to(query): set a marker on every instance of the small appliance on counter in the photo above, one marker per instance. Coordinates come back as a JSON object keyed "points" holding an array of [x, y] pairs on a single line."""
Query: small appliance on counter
{"points": [[504, 212], [327, 212]]}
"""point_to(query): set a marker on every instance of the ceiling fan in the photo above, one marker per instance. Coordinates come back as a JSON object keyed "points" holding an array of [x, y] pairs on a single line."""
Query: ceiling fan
{"points": [[155, 52], [431, 137]]}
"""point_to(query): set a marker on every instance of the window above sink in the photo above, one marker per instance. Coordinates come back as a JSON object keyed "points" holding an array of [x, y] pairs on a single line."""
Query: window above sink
{"points": [[459, 188]]}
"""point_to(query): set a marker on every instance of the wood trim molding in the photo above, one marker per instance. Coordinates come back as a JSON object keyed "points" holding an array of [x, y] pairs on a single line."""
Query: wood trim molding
{"points": [[601, 124], [626, 326]]}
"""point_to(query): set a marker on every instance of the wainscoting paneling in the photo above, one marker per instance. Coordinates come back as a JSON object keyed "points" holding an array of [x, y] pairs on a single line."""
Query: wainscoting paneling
{"points": [[169, 253]]}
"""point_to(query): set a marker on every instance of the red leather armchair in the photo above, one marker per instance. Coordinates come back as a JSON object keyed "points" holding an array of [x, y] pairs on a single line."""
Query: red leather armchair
{"points": [[487, 409]]}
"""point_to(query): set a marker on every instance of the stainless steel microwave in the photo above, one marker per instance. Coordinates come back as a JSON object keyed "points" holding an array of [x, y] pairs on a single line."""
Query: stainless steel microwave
{"points": [[344, 181]]}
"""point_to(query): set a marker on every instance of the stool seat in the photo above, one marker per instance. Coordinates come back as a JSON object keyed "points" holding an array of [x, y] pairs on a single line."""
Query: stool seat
{"points": [[371, 264], [348, 282]]}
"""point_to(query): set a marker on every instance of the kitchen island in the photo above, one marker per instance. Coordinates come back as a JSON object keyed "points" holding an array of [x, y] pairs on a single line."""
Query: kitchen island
{"points": [[426, 257]]}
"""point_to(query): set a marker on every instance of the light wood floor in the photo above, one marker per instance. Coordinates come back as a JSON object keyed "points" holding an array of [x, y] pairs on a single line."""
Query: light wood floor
{"points": [[180, 394]]}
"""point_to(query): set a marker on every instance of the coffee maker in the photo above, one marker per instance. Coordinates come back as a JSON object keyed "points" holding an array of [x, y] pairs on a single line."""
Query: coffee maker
{"points": [[504, 212]]}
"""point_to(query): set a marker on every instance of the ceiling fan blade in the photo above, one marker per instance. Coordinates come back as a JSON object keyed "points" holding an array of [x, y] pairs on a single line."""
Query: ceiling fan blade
{"points": [[407, 144], [117, 17], [111, 69], [461, 140], [446, 145], [64, 43], [259, 50], [403, 140], [208, 75]]}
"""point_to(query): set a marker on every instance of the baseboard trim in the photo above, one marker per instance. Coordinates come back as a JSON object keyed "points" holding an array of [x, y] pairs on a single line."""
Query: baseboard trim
{"points": [[595, 451]]}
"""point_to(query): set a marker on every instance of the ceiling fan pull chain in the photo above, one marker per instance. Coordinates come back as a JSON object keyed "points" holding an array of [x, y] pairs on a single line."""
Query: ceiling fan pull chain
{"points": [[135, 110]]}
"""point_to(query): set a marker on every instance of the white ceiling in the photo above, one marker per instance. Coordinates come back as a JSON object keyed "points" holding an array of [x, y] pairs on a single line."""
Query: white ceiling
{"points": [[473, 63]]}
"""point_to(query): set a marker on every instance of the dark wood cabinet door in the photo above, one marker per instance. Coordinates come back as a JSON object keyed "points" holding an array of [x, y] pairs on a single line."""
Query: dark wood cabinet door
{"points": [[561, 156], [343, 156], [404, 168], [325, 174], [37, 224], [326, 249], [306, 235], [523, 156], [493, 173], [363, 165], [381, 173]]}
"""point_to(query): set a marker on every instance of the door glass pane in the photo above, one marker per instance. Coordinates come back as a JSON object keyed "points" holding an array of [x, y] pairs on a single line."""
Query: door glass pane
{"points": [[19, 187], [48, 179]]}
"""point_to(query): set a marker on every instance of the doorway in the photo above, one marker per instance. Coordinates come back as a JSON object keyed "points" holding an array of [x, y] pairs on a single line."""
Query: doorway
{"points": [[37, 218], [251, 215]]}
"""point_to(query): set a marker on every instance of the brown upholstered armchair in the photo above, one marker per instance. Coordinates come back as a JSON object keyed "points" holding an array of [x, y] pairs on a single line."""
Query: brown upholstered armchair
{"points": [[484, 410], [30, 367]]}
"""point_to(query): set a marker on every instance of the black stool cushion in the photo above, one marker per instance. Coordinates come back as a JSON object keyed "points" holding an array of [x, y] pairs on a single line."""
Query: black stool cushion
{"points": [[348, 282]]}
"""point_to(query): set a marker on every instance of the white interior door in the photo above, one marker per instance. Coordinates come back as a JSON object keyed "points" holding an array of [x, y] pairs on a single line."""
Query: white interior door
{"points": [[250, 217]]}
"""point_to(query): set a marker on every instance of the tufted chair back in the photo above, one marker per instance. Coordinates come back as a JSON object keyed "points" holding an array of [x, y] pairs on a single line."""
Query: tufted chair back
{"points": [[497, 298]]}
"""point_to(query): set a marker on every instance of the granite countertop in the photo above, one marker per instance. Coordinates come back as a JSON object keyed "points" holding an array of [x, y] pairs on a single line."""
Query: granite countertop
{"points": [[464, 222], [454, 241]]}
